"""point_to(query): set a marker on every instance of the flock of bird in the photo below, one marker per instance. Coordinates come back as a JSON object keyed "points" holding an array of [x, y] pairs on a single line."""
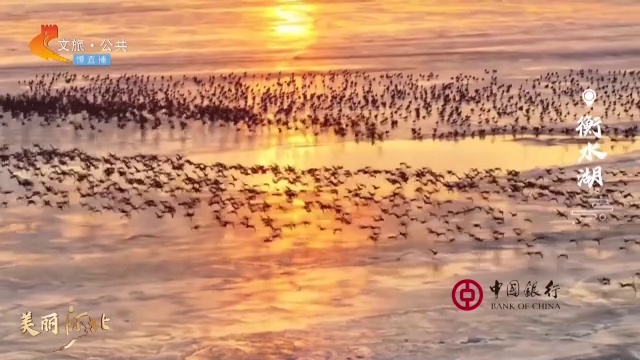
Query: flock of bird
{"points": [[349, 104], [381, 204]]}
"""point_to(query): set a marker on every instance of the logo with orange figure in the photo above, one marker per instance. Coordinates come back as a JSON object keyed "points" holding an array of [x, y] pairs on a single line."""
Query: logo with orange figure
{"points": [[39, 45]]}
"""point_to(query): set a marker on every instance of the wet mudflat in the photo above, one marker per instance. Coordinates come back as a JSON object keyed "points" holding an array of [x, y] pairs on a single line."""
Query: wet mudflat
{"points": [[320, 215]]}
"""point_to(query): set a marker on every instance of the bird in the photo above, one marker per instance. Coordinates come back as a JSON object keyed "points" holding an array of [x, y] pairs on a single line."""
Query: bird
{"points": [[532, 253], [631, 285]]}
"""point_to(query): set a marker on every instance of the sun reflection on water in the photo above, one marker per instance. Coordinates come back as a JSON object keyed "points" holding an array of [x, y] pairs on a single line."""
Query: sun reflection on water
{"points": [[292, 28], [292, 20]]}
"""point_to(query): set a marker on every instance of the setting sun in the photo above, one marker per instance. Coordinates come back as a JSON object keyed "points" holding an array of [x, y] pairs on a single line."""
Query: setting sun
{"points": [[292, 20]]}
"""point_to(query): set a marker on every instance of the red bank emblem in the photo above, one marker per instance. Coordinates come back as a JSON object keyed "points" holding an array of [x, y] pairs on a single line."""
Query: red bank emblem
{"points": [[467, 295]]}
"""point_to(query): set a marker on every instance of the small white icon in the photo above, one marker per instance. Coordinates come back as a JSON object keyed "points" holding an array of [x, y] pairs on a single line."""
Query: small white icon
{"points": [[589, 96], [599, 206], [598, 215], [92, 45]]}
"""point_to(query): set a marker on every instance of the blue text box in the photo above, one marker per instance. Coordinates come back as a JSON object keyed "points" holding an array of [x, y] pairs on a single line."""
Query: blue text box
{"points": [[92, 59]]}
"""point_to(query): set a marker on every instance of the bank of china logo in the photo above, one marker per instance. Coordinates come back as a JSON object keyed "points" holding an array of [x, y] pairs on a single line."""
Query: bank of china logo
{"points": [[467, 295], [39, 45]]}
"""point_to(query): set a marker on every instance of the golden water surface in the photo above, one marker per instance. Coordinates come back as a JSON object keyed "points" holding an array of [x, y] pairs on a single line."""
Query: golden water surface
{"points": [[172, 290]]}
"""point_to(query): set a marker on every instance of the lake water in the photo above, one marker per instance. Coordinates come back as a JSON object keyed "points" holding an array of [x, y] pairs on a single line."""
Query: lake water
{"points": [[175, 293]]}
